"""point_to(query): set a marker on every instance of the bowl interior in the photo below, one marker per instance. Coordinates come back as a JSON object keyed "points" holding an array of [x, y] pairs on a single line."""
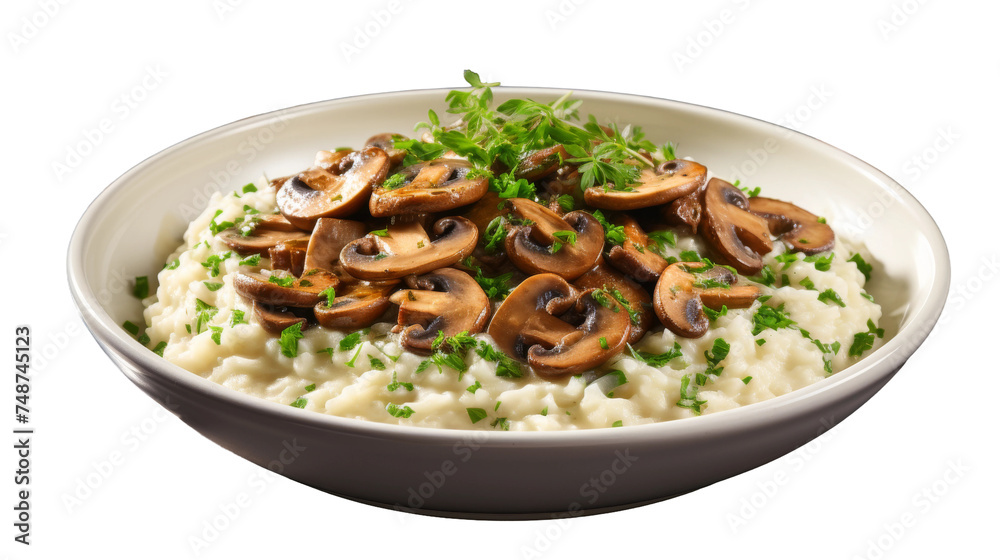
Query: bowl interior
{"points": [[139, 220]]}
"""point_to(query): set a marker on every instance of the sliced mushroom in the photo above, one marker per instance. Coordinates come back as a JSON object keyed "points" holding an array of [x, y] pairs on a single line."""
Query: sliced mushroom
{"points": [[606, 278], [327, 241], [800, 228], [267, 231], [633, 257], [357, 303], [332, 192], [301, 292], [406, 249], [668, 181], [738, 236], [685, 286], [541, 163], [444, 300], [558, 329], [386, 141], [685, 211], [289, 255], [532, 247], [274, 320], [432, 186]]}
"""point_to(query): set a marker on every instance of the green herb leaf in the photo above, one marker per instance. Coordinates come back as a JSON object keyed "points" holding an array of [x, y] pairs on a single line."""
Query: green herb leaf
{"points": [[141, 287], [476, 414], [399, 411], [289, 340], [830, 296]]}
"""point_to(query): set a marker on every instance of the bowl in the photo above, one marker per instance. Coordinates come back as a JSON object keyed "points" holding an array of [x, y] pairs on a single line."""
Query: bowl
{"points": [[138, 220]]}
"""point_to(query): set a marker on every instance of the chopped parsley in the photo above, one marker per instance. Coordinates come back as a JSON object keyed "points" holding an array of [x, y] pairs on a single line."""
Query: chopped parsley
{"points": [[474, 387], [216, 334], [289, 340], [352, 340], [217, 227], [205, 312], [746, 380], [330, 294], [807, 283], [507, 186], [562, 237], [212, 286], [396, 384], [566, 202], [376, 363], [862, 265], [300, 402], [399, 411], [236, 318], [506, 366], [141, 287], [830, 296], [381, 232], [766, 276], [501, 423], [822, 263], [767, 317], [283, 282], [617, 378], [494, 235], [613, 235], [476, 414], [786, 259], [658, 239], [310, 388], [252, 260], [172, 264], [213, 261], [394, 181], [616, 424], [656, 360], [864, 341], [604, 342], [713, 314], [689, 395]]}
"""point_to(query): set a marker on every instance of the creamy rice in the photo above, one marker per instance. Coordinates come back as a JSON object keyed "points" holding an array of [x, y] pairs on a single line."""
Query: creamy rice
{"points": [[246, 358]]}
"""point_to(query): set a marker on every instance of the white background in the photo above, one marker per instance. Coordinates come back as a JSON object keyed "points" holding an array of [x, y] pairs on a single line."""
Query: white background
{"points": [[886, 80]]}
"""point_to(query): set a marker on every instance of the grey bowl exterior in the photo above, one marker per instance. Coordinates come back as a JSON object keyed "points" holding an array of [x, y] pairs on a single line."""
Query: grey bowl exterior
{"points": [[500, 474]]}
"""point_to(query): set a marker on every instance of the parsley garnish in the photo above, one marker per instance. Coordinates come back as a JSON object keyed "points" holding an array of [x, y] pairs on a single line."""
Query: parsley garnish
{"points": [[252, 260], [507, 186], [656, 360], [216, 334], [476, 414], [331, 295], [283, 282], [141, 288], [787, 259], [566, 202], [236, 318], [394, 181], [831, 296], [864, 341], [616, 424], [562, 237], [289, 340], [768, 317], [506, 366], [397, 384], [820, 262], [399, 411], [862, 265], [381, 232], [300, 402], [376, 363], [212, 286], [614, 235], [352, 340], [474, 387], [205, 312]]}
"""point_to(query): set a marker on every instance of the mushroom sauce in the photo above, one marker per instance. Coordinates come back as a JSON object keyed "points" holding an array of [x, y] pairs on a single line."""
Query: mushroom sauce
{"points": [[492, 277]]}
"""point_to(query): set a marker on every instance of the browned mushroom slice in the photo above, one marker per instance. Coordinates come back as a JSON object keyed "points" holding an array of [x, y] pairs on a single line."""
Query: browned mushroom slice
{"points": [[444, 300], [633, 257], [541, 163], [357, 303], [800, 228], [557, 329], [617, 284], [299, 292], [685, 286], [545, 243], [685, 211], [406, 249], [386, 141], [738, 236], [332, 192], [668, 181], [432, 186], [289, 255], [274, 320], [267, 231], [328, 239]]}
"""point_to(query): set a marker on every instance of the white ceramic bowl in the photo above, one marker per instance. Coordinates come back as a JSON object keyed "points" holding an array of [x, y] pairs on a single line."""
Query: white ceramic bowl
{"points": [[138, 220]]}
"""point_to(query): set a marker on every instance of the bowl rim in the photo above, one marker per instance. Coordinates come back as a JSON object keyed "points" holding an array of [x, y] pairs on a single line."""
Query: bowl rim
{"points": [[883, 361]]}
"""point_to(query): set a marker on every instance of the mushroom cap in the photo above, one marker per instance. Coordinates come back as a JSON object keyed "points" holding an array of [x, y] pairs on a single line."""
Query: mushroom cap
{"points": [[289, 255], [445, 300], [678, 298], [268, 231], [430, 186], [556, 328], [638, 298], [684, 211], [541, 163], [304, 292], [408, 250], [328, 239], [794, 225], [358, 303], [274, 320], [738, 236], [633, 257], [668, 181], [529, 247], [333, 192], [387, 142]]}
